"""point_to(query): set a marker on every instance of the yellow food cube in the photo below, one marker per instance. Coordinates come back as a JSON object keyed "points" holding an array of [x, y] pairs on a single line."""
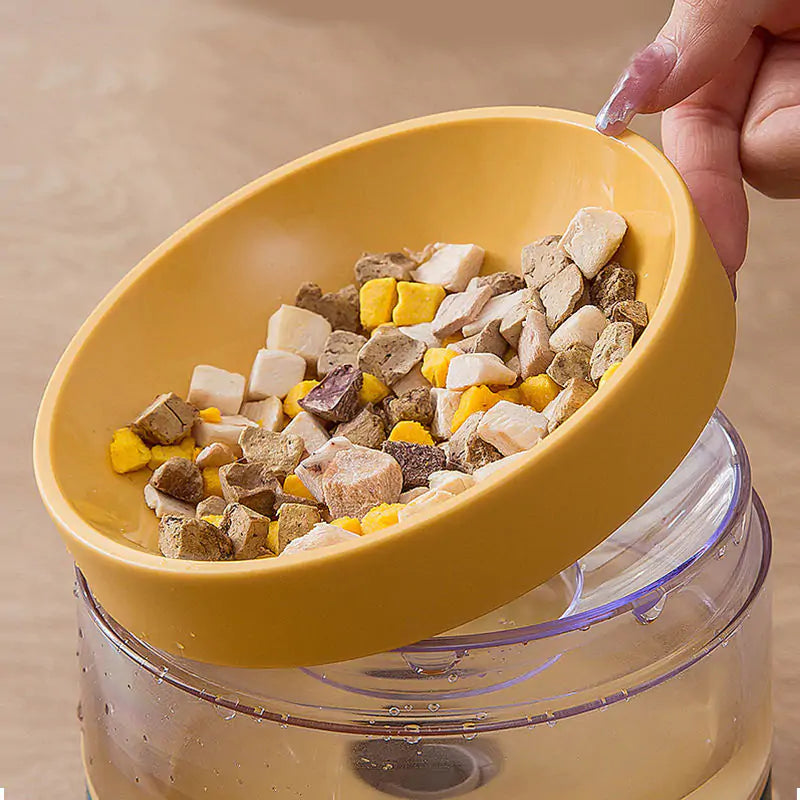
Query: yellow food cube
{"points": [[349, 524], [128, 452], [272, 536], [512, 395], [476, 398], [538, 391], [377, 299], [290, 405], [294, 486], [417, 302], [210, 414], [372, 390], [408, 431], [211, 484], [382, 325], [607, 374], [456, 337], [380, 517], [435, 364], [159, 453], [196, 452], [214, 519]]}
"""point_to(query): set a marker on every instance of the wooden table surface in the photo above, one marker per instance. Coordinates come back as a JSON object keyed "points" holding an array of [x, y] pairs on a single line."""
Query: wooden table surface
{"points": [[119, 121]]}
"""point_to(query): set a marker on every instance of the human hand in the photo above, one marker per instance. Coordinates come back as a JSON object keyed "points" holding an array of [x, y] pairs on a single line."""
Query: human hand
{"points": [[726, 73]]}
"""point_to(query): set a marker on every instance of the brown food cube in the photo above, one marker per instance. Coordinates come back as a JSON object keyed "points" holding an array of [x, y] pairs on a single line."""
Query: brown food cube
{"points": [[340, 308], [341, 348], [568, 401], [614, 344], [282, 497], [542, 261], [562, 295], [415, 405], [280, 453], [253, 485], [367, 428], [457, 310], [383, 265], [181, 478], [335, 399], [632, 311], [294, 520], [390, 354], [166, 420], [612, 285], [488, 340], [216, 454], [357, 479], [500, 282], [572, 362], [247, 531], [211, 506], [467, 451], [417, 461], [533, 348], [192, 540]]}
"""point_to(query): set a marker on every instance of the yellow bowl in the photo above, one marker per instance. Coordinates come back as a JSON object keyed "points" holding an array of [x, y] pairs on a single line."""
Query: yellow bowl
{"points": [[500, 177]]}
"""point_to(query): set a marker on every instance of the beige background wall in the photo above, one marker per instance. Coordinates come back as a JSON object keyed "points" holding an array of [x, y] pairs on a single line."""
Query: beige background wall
{"points": [[119, 121]]}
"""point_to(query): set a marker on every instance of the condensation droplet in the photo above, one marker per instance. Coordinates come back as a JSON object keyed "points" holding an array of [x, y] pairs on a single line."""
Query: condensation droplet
{"points": [[433, 707], [394, 711]]}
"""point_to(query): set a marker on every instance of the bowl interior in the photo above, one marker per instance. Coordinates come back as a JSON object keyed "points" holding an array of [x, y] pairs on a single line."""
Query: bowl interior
{"points": [[204, 297]]}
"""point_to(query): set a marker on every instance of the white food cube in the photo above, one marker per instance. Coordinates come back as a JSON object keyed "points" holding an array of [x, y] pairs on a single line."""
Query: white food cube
{"points": [[309, 430], [422, 332], [451, 265], [424, 501], [445, 404], [217, 388], [474, 369], [227, 431], [267, 412], [512, 428], [413, 380], [411, 494], [592, 237], [495, 309], [584, 327], [163, 505], [482, 473], [310, 469], [274, 372], [298, 330], [321, 535], [450, 480]]}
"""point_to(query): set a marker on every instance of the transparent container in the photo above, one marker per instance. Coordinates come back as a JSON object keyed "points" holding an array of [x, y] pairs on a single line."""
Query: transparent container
{"points": [[641, 673]]}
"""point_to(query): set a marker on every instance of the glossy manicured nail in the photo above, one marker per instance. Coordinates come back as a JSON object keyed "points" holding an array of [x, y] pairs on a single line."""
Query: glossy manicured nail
{"points": [[647, 70]]}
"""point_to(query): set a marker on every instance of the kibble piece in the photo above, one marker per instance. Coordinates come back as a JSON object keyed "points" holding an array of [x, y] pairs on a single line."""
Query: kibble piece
{"points": [[422, 332], [417, 461], [474, 369], [584, 327], [383, 265], [377, 299], [372, 389], [211, 386], [192, 540], [488, 340], [268, 413], [542, 260], [435, 365], [592, 237], [562, 295], [495, 310], [336, 398], [416, 302], [340, 308], [512, 428], [458, 310], [365, 429], [247, 531], [358, 479], [408, 431], [451, 265], [613, 345], [499, 282], [445, 403], [252, 485], [163, 505], [321, 535], [482, 473], [181, 478], [607, 375], [309, 429], [274, 372], [632, 311], [450, 480], [294, 520], [291, 404], [311, 469], [383, 516], [613, 284], [128, 452], [349, 524], [414, 379], [280, 453], [511, 324], [415, 405], [570, 363], [569, 400], [161, 453], [226, 432], [534, 350], [467, 450], [476, 398], [422, 503], [293, 486], [390, 354], [340, 348], [166, 420], [210, 414], [211, 483], [412, 494], [297, 330], [210, 507]]}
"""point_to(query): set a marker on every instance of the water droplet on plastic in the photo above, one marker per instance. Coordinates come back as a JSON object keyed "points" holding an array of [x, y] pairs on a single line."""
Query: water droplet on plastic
{"points": [[108, 708], [394, 711], [408, 707], [79, 711], [469, 732], [412, 732], [431, 663], [452, 677], [433, 707], [550, 719], [180, 646], [650, 612], [721, 552], [227, 711]]}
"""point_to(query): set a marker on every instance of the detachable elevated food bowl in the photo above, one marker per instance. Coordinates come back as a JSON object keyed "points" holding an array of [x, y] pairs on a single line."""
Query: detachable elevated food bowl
{"points": [[498, 177]]}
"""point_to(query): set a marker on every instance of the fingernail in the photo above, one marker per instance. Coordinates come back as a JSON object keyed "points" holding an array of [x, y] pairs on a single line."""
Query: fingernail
{"points": [[647, 70]]}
